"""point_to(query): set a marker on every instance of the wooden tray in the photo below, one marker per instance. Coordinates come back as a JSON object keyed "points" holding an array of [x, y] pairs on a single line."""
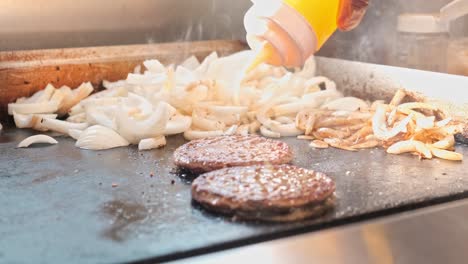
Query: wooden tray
{"points": [[22, 73]]}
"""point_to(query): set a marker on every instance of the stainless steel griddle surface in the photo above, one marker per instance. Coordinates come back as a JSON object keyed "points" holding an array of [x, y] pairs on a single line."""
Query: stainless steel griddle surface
{"points": [[60, 204]]}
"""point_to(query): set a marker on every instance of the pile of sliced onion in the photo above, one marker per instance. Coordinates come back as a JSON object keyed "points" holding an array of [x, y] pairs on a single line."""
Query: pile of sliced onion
{"points": [[219, 96], [197, 99]]}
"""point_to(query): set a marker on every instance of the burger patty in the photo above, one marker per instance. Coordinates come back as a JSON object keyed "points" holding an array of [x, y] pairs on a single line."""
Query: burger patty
{"points": [[210, 154], [463, 136], [266, 192]]}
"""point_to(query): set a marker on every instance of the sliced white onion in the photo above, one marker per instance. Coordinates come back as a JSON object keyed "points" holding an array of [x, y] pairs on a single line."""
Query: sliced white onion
{"points": [[136, 102], [228, 120], [178, 124], [96, 102], [268, 133], [21, 100], [291, 108], [229, 72], [203, 68], [231, 130], [264, 71], [308, 101], [207, 124], [152, 143], [444, 122], [75, 133], [66, 91], [243, 130], [284, 120], [79, 118], [379, 124], [407, 107], [58, 97], [264, 118], [184, 76], [288, 130], [100, 138], [104, 116], [196, 134], [73, 97], [137, 69], [423, 149], [113, 85], [227, 110], [447, 142], [169, 83], [77, 109], [254, 127], [113, 92], [37, 139], [445, 154], [31, 120], [145, 84], [154, 66], [402, 147], [315, 81], [346, 104], [314, 100], [309, 69], [42, 96], [265, 112], [136, 129], [60, 126], [425, 122], [191, 63], [33, 108]]}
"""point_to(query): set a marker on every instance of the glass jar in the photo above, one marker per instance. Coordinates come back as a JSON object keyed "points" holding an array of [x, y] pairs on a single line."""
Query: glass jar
{"points": [[457, 57], [421, 43]]}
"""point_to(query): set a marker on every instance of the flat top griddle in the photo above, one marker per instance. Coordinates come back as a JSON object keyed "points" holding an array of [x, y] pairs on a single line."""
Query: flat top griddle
{"points": [[58, 203]]}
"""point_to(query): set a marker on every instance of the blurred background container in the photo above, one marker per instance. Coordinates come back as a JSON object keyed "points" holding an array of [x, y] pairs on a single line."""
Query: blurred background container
{"points": [[458, 57], [33, 24]]}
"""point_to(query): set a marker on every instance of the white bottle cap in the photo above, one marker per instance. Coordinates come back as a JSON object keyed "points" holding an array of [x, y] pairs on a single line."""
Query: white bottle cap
{"points": [[284, 28], [422, 23]]}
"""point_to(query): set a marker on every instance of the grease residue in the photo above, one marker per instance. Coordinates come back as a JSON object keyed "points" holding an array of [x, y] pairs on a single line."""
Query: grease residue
{"points": [[122, 216]]}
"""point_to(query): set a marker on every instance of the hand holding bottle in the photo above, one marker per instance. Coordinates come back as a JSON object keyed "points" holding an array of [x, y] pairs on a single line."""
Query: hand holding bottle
{"points": [[351, 13], [288, 32]]}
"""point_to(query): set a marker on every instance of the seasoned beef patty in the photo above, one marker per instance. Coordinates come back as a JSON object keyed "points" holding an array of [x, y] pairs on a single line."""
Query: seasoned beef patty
{"points": [[463, 136], [268, 192], [210, 154]]}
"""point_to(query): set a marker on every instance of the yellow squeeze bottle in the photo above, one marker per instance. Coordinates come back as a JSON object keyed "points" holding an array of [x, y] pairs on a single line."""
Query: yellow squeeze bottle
{"points": [[287, 32]]}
